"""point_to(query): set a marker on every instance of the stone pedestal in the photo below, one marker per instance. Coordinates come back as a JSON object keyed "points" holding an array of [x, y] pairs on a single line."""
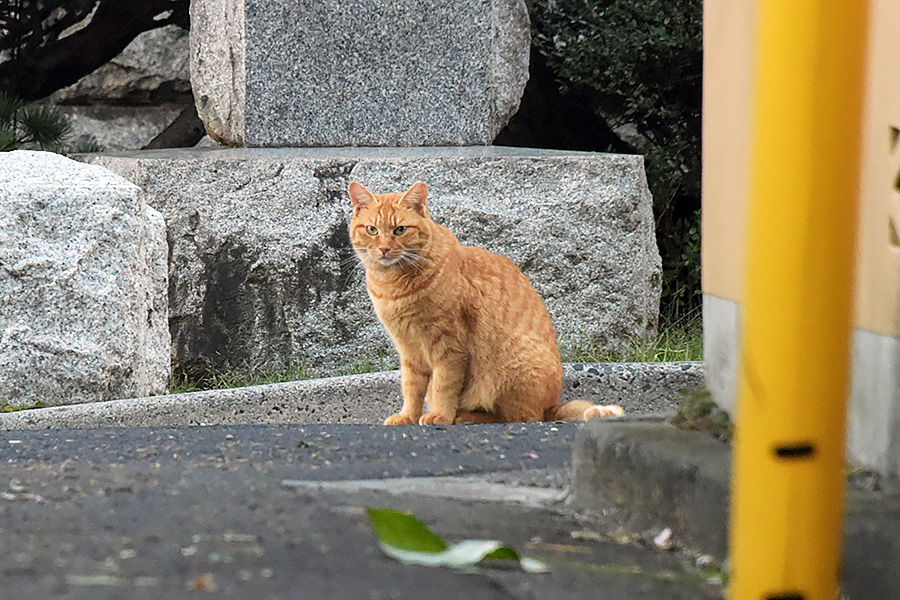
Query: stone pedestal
{"points": [[262, 272]]}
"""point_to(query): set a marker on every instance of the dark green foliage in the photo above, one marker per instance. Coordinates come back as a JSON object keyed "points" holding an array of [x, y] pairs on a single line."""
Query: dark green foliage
{"points": [[9, 108], [698, 412], [7, 139], [28, 24], [680, 250], [43, 125], [86, 147], [642, 61], [31, 126], [645, 60]]}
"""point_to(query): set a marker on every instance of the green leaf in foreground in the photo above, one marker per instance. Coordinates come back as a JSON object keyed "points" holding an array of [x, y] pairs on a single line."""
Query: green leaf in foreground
{"points": [[403, 531], [405, 538]]}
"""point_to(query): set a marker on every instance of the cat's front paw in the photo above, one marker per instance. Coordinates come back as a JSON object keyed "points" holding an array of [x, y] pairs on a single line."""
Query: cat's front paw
{"points": [[400, 419], [601, 411], [435, 418]]}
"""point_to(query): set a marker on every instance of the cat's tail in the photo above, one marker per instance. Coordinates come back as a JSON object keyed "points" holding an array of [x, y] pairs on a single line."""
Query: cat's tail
{"points": [[577, 410]]}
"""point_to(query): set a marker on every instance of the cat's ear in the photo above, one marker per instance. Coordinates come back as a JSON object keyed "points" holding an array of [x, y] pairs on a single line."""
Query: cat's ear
{"points": [[359, 196], [416, 198]]}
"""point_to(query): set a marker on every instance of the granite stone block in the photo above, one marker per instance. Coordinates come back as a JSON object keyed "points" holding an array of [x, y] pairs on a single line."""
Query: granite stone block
{"points": [[83, 283], [262, 272], [307, 73]]}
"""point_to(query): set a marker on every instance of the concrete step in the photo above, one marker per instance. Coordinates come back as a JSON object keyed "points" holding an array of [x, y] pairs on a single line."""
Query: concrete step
{"points": [[352, 399]]}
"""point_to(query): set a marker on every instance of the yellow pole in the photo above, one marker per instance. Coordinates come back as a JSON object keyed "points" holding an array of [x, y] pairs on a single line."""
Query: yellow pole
{"points": [[788, 481]]}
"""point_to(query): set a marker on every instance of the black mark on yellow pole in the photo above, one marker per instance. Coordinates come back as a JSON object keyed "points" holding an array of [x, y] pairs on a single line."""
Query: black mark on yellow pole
{"points": [[795, 451]]}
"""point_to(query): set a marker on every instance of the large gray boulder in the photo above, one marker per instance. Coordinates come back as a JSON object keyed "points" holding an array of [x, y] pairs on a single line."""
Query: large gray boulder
{"points": [[128, 101], [115, 128], [153, 69], [83, 284], [333, 73], [261, 270]]}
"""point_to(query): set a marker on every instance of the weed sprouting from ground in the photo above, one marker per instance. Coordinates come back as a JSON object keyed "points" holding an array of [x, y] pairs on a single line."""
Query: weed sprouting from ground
{"points": [[677, 341], [196, 378], [6, 407], [698, 412], [216, 378]]}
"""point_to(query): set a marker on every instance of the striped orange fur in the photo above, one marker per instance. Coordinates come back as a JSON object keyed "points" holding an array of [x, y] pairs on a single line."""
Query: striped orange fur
{"points": [[474, 337]]}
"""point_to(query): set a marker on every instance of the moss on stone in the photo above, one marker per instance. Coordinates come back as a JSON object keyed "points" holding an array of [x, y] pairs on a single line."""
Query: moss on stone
{"points": [[6, 407], [698, 412]]}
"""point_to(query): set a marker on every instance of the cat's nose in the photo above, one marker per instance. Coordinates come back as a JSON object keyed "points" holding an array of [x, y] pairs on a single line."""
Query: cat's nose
{"points": [[384, 251]]}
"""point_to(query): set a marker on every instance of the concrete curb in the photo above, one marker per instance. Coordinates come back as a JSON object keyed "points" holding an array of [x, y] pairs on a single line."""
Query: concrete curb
{"points": [[646, 474], [352, 399]]}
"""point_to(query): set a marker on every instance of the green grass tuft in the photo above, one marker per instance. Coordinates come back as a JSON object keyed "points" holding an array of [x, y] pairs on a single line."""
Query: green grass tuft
{"points": [[678, 341], [198, 378], [183, 381], [6, 407]]}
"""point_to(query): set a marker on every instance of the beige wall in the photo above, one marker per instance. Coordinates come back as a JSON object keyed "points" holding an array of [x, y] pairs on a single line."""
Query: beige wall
{"points": [[878, 289], [874, 415], [728, 47], [728, 27]]}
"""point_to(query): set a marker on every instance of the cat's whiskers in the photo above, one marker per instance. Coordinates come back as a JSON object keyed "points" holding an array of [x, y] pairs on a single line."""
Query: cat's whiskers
{"points": [[351, 263], [415, 255], [362, 255], [415, 260]]}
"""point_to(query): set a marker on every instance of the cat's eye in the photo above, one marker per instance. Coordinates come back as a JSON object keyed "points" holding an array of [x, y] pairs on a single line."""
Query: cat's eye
{"points": [[400, 230], [371, 230]]}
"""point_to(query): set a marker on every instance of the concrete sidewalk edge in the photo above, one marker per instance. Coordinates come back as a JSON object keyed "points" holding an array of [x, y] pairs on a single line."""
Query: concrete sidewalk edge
{"points": [[646, 474], [352, 399]]}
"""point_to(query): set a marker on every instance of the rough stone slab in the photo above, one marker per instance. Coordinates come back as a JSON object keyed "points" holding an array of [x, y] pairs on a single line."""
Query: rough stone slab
{"points": [[385, 73], [352, 399], [262, 272], [153, 69], [638, 387], [647, 475], [116, 128], [128, 101], [347, 400], [83, 280]]}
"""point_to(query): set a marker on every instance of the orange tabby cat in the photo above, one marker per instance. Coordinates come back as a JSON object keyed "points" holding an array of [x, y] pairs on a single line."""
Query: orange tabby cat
{"points": [[473, 335]]}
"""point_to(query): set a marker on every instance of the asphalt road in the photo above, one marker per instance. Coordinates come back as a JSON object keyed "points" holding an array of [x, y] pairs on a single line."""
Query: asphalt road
{"points": [[278, 512]]}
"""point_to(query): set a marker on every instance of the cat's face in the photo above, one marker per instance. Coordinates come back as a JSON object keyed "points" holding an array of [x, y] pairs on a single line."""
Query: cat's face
{"points": [[390, 231]]}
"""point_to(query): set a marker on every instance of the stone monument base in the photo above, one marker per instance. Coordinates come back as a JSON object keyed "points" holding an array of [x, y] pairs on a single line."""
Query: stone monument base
{"points": [[262, 273]]}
